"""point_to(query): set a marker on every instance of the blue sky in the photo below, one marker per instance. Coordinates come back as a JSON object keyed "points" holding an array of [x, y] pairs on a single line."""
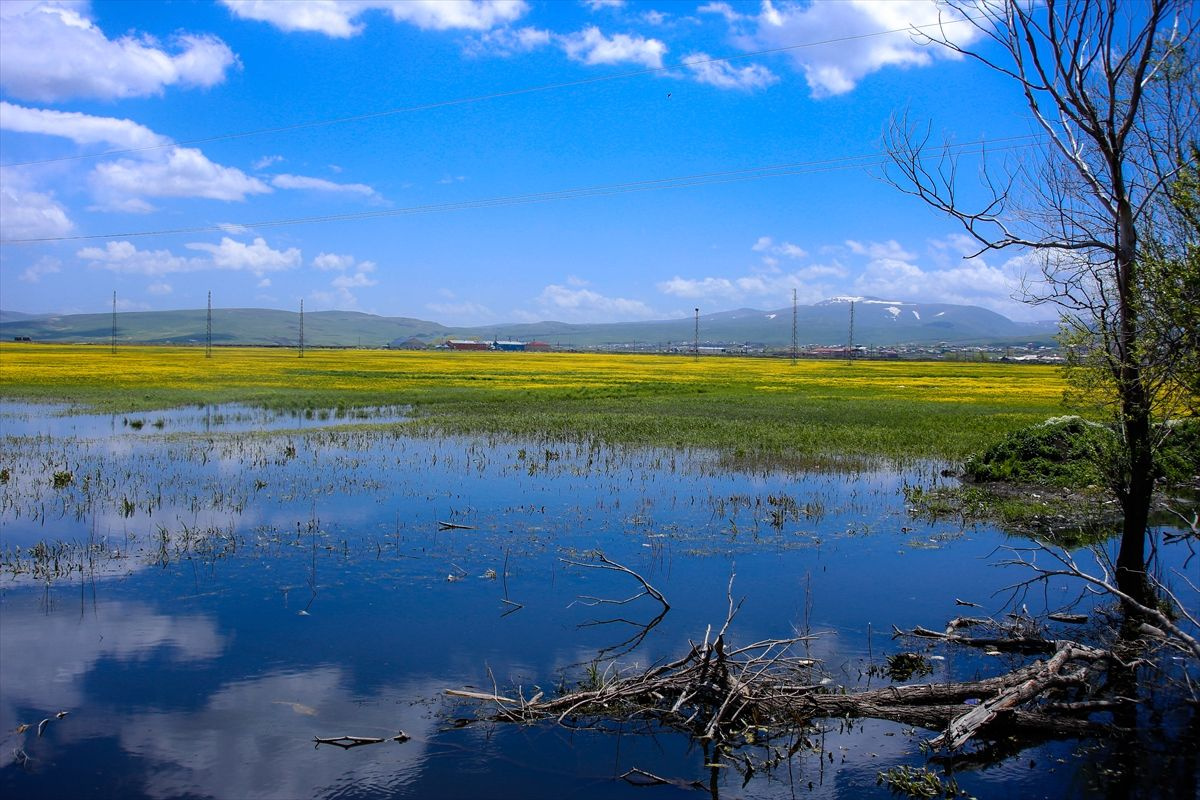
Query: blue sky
{"points": [[476, 162]]}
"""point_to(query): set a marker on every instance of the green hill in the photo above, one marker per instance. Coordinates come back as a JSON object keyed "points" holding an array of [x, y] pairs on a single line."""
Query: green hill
{"points": [[876, 323]]}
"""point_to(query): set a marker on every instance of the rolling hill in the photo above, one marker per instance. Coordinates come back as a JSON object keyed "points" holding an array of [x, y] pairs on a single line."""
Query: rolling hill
{"points": [[877, 322]]}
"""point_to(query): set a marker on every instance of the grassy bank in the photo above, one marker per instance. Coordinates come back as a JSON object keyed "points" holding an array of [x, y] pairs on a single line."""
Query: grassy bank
{"points": [[749, 408]]}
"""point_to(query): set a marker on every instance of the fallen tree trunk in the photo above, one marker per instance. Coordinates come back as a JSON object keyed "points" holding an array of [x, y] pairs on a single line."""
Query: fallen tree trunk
{"points": [[716, 692]]}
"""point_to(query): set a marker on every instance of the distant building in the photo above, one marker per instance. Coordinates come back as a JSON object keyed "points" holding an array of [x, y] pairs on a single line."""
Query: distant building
{"points": [[467, 344], [508, 346], [538, 347]]}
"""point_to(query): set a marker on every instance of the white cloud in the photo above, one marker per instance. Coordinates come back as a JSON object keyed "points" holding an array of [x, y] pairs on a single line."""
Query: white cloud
{"points": [[79, 128], [356, 281], [892, 271], [891, 250], [812, 283], [52, 52], [333, 261], [724, 75], [766, 244], [163, 170], [159, 288], [837, 67], [28, 214], [590, 46], [579, 304], [179, 172], [340, 18], [256, 257], [42, 267], [286, 181], [125, 258], [507, 41], [721, 9], [599, 5], [266, 161]]}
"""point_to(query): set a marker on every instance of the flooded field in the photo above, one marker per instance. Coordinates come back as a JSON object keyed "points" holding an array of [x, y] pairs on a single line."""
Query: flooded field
{"points": [[206, 592]]}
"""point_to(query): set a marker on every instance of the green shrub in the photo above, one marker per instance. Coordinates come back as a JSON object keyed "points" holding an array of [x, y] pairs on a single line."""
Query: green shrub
{"points": [[1064, 451]]}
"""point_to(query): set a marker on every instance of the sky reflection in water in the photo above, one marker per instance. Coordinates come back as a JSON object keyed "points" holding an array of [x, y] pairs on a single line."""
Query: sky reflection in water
{"points": [[303, 588]]}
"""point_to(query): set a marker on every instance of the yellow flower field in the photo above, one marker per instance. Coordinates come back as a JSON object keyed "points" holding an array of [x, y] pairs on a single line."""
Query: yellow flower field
{"points": [[744, 404]]}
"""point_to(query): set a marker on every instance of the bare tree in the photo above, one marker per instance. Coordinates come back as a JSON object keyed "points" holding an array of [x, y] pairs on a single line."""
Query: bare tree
{"points": [[1111, 87]]}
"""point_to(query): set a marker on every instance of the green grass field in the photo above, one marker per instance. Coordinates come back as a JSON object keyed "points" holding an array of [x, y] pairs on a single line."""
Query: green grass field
{"points": [[768, 410]]}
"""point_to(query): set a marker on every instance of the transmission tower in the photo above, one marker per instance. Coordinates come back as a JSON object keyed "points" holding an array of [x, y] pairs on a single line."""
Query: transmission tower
{"points": [[850, 342], [113, 339], [301, 329], [795, 346], [696, 336], [208, 332]]}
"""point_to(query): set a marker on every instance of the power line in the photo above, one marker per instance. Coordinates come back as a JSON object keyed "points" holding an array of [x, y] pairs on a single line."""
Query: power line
{"points": [[655, 184], [483, 97]]}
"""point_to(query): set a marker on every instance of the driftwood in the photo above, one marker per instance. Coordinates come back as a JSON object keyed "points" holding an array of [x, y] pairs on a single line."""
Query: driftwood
{"points": [[718, 693], [348, 742], [640, 629]]}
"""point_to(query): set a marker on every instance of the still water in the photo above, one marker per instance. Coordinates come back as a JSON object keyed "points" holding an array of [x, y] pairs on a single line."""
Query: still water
{"points": [[210, 598]]}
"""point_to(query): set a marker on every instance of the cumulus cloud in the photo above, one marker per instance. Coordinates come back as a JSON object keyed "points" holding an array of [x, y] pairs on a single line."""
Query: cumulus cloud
{"points": [[162, 169], [890, 250], [79, 128], [592, 47], [812, 283], [356, 281], [837, 67], [507, 41], [286, 181], [599, 5], [125, 258], [720, 9], [29, 214], [256, 258], [766, 244], [340, 19], [266, 161], [42, 267], [353, 274], [159, 288], [333, 261], [51, 52], [179, 172], [724, 75], [580, 304]]}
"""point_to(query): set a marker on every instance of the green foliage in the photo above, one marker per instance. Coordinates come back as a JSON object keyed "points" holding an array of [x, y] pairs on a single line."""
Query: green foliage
{"points": [[918, 782], [905, 666], [1070, 452], [1179, 455], [1064, 451]]}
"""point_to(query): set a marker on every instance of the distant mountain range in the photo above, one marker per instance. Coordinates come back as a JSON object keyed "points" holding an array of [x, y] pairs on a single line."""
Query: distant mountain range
{"points": [[877, 322]]}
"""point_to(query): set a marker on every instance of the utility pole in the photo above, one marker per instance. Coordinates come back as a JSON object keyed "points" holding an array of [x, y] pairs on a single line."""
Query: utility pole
{"points": [[301, 329], [208, 332], [113, 339], [696, 336], [850, 341], [795, 347]]}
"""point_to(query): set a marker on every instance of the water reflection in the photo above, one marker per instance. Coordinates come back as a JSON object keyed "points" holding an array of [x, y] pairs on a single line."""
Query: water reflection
{"points": [[272, 589]]}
